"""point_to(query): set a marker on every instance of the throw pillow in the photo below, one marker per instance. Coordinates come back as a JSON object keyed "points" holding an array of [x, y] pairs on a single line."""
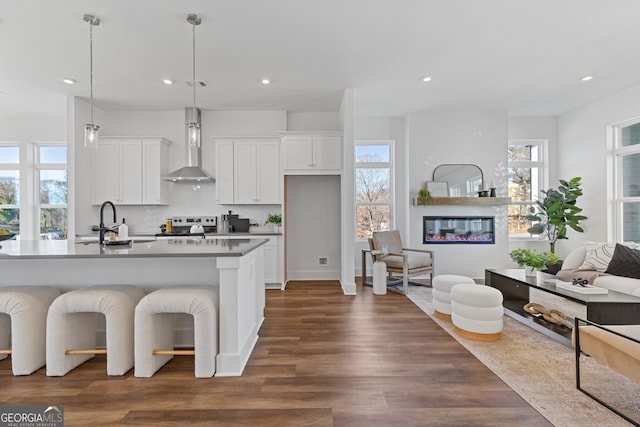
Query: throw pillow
{"points": [[598, 255], [625, 262]]}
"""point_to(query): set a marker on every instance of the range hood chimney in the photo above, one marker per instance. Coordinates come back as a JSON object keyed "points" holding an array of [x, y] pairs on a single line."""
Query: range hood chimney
{"points": [[192, 172]]}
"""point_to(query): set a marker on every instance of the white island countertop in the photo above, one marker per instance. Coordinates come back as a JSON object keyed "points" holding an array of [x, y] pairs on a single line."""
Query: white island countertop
{"points": [[52, 249]]}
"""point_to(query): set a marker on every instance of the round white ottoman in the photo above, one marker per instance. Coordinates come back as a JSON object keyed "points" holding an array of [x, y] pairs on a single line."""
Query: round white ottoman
{"points": [[442, 293], [476, 312], [26, 307]]}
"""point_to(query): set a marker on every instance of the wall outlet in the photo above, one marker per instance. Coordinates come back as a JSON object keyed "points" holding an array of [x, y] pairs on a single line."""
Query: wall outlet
{"points": [[322, 261]]}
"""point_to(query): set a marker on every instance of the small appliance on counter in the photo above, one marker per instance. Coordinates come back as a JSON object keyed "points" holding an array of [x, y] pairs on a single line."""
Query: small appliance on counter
{"points": [[190, 226], [225, 222], [232, 223], [239, 225]]}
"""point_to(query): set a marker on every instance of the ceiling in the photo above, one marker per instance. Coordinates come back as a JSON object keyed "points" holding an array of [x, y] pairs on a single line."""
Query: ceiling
{"points": [[519, 56]]}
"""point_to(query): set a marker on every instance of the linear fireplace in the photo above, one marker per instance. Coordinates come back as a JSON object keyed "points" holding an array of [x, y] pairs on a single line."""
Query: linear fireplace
{"points": [[458, 229]]}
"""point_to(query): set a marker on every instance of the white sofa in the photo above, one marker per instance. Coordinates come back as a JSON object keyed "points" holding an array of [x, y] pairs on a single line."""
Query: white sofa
{"points": [[573, 267]]}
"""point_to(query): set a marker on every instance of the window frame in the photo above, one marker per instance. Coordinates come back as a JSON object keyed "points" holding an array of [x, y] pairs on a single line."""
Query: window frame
{"points": [[375, 165], [543, 178], [619, 153]]}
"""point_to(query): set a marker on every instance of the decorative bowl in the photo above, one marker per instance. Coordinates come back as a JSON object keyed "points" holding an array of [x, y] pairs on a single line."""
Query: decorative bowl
{"points": [[7, 236]]}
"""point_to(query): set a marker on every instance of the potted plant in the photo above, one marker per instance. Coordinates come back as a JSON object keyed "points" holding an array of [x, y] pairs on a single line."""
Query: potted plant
{"points": [[557, 211], [532, 260], [275, 219], [424, 196]]}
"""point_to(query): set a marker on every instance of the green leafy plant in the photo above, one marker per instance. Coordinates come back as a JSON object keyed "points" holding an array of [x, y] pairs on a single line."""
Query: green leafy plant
{"points": [[557, 211], [533, 259], [424, 195], [274, 219]]}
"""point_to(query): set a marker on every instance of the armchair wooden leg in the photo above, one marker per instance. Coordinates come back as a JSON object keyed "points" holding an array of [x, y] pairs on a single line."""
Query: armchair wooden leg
{"points": [[405, 278]]}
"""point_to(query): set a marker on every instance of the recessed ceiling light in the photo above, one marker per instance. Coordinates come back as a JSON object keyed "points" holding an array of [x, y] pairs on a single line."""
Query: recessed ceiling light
{"points": [[586, 78], [265, 81], [69, 81], [426, 79], [168, 81]]}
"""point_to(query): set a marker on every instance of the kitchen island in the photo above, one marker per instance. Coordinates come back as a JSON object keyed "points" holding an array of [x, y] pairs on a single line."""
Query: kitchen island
{"points": [[235, 267]]}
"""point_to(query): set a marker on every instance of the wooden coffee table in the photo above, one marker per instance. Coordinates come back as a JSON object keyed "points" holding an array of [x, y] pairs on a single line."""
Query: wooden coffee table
{"points": [[613, 308]]}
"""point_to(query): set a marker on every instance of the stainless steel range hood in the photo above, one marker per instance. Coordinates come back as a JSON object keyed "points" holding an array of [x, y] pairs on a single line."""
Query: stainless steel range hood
{"points": [[193, 171]]}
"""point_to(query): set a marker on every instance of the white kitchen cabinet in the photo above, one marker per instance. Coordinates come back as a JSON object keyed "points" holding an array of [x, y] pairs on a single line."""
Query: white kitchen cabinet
{"points": [[155, 164], [127, 171], [224, 172], [309, 153], [273, 259], [248, 171]]}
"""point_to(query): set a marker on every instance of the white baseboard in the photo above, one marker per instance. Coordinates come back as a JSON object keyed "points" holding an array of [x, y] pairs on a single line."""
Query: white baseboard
{"points": [[313, 275]]}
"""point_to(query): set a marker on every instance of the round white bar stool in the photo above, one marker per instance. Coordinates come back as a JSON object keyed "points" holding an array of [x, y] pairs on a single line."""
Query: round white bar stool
{"points": [[442, 293], [477, 312], [72, 322], [23, 325], [154, 345]]}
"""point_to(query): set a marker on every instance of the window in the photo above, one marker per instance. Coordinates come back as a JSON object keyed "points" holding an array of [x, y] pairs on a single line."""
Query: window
{"points": [[627, 150], [33, 189], [527, 176], [10, 186], [374, 187], [51, 179]]}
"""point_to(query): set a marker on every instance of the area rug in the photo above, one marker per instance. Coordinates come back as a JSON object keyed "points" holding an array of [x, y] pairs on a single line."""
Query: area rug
{"points": [[542, 370]]}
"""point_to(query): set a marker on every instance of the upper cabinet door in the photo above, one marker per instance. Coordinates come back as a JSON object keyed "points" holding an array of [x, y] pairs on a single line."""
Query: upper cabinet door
{"points": [[268, 172], [245, 172], [128, 171], [327, 152], [131, 172], [155, 164], [256, 172], [298, 152], [106, 172], [312, 154], [224, 172]]}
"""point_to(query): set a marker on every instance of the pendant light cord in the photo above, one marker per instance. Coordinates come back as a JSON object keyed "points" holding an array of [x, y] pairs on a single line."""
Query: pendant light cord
{"points": [[91, 73], [194, 70]]}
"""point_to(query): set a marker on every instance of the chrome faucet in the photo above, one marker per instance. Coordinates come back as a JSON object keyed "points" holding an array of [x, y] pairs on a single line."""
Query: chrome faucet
{"points": [[101, 227]]}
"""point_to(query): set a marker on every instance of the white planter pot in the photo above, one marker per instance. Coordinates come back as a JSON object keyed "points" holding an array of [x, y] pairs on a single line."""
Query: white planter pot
{"points": [[530, 271]]}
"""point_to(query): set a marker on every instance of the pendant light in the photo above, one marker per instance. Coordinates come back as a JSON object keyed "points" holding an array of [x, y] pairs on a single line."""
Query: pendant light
{"points": [[193, 127], [91, 129]]}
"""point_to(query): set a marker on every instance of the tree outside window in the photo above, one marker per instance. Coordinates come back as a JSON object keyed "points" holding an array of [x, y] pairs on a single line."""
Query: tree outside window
{"points": [[10, 187], [526, 178], [52, 192], [374, 188]]}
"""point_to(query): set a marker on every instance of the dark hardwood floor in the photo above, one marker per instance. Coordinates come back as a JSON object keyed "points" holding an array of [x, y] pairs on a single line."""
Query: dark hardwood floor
{"points": [[323, 359]]}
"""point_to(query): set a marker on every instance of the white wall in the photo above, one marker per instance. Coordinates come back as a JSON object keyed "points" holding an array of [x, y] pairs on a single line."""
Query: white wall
{"points": [[394, 129], [476, 137], [313, 227], [585, 150], [313, 121]]}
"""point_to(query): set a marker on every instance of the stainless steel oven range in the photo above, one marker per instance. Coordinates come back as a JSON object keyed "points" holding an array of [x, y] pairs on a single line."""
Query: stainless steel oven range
{"points": [[191, 226]]}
